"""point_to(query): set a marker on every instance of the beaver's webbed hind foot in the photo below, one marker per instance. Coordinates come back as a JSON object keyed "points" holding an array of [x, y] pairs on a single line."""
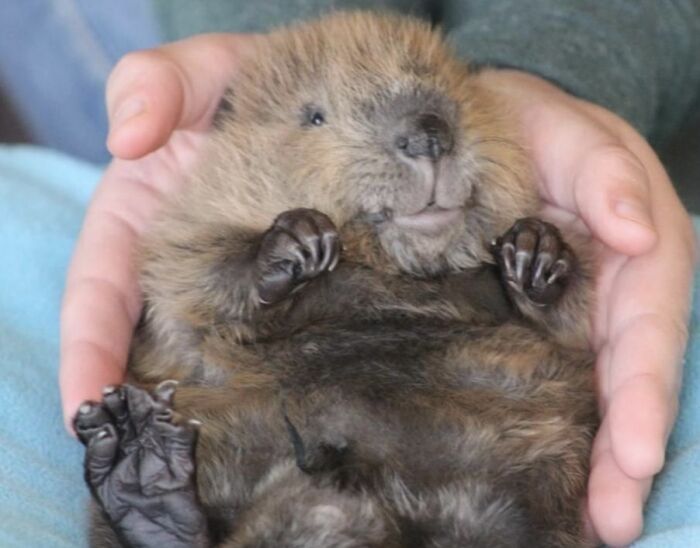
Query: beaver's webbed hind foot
{"points": [[139, 465]]}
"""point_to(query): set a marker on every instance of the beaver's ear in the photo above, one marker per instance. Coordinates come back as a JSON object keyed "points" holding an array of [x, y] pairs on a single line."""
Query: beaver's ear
{"points": [[225, 110]]}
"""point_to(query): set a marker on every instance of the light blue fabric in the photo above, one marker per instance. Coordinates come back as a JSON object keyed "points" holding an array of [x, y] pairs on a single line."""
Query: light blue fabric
{"points": [[42, 200], [42, 497]]}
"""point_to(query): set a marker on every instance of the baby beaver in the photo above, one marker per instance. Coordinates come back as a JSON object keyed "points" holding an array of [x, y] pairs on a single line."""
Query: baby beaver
{"points": [[375, 343]]}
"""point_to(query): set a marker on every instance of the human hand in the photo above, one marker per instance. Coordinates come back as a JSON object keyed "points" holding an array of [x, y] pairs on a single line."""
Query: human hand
{"points": [[158, 100], [597, 173]]}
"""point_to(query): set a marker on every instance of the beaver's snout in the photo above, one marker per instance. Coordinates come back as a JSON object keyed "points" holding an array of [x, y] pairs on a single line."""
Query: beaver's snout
{"points": [[424, 135]]}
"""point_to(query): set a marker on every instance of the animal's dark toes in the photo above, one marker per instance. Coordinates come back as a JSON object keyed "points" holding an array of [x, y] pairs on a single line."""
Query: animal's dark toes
{"points": [[94, 425], [330, 245], [100, 455], [141, 405], [317, 235], [178, 436], [179, 447], [165, 391], [328, 241], [275, 285], [562, 267], [140, 464], [300, 245], [534, 260], [548, 250], [90, 419], [302, 226], [114, 400], [506, 260]]}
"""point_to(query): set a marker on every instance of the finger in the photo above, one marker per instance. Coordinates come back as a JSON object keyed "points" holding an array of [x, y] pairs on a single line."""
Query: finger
{"points": [[642, 394], [591, 174], [179, 85], [102, 302], [647, 308], [610, 191], [615, 500]]}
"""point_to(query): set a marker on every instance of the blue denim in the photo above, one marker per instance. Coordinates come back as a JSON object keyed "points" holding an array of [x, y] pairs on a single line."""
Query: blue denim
{"points": [[55, 57]]}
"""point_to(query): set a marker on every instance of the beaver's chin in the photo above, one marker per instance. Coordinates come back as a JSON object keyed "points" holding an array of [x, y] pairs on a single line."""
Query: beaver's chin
{"points": [[431, 221]]}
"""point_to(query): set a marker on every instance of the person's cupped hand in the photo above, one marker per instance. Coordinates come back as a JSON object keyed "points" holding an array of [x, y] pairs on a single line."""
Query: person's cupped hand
{"points": [[597, 173], [160, 104]]}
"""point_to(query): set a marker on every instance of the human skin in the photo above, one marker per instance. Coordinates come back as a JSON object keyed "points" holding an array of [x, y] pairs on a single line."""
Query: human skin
{"points": [[593, 171]]}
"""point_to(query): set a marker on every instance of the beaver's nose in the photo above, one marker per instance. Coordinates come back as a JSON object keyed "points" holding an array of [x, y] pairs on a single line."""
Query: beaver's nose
{"points": [[427, 135]]}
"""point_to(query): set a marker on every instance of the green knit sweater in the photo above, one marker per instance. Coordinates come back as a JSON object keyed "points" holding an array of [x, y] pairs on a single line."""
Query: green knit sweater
{"points": [[638, 58]]}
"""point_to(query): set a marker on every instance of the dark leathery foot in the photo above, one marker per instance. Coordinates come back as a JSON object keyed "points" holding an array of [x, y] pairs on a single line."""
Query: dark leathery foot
{"points": [[534, 260], [139, 465], [300, 245]]}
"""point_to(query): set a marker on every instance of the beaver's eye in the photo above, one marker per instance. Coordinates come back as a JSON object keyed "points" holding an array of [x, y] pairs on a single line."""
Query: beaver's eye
{"points": [[313, 116]]}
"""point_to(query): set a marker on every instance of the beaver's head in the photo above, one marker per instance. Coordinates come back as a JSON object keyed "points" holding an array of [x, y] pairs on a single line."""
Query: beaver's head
{"points": [[371, 117]]}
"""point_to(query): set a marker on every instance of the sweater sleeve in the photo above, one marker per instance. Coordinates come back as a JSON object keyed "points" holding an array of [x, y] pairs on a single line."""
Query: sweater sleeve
{"points": [[638, 58], [181, 18]]}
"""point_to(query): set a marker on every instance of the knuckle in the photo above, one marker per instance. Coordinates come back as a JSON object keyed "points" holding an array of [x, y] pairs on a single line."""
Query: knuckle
{"points": [[143, 66], [662, 325], [668, 333], [670, 326], [139, 60]]}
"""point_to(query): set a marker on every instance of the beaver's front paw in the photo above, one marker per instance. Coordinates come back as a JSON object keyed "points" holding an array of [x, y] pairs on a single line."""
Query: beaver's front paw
{"points": [[139, 465], [300, 245], [534, 260]]}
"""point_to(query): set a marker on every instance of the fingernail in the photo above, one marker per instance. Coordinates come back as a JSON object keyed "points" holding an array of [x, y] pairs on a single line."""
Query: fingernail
{"points": [[634, 211], [129, 109]]}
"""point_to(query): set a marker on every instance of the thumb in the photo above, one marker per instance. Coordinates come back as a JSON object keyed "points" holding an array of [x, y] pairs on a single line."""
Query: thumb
{"points": [[151, 93], [610, 192], [587, 170]]}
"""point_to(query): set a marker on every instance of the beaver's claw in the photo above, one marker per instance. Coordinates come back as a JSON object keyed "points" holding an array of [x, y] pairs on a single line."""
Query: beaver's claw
{"points": [[300, 245]]}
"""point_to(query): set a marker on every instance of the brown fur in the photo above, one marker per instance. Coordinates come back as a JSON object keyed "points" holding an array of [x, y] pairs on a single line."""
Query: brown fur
{"points": [[468, 421]]}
